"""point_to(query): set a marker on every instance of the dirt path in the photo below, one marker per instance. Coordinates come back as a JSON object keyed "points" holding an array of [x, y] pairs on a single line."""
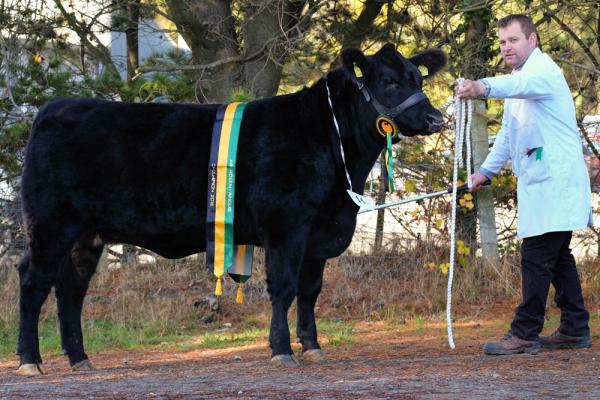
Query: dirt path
{"points": [[382, 363]]}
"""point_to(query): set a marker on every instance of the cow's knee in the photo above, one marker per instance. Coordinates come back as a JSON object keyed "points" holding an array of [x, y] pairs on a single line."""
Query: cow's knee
{"points": [[282, 285], [311, 280]]}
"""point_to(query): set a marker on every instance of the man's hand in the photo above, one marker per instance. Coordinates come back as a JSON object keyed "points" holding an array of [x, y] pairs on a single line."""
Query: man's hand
{"points": [[469, 89], [477, 180]]}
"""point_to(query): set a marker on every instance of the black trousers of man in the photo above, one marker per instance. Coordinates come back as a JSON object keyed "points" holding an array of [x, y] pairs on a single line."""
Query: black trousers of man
{"points": [[547, 259]]}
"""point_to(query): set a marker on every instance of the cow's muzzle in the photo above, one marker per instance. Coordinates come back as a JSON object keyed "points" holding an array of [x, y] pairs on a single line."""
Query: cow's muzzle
{"points": [[435, 122]]}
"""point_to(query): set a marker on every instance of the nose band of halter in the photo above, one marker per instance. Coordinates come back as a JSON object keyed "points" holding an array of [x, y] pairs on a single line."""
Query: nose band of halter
{"points": [[393, 112]]}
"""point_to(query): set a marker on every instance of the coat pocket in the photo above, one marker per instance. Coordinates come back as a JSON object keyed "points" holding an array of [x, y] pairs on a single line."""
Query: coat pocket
{"points": [[534, 166]]}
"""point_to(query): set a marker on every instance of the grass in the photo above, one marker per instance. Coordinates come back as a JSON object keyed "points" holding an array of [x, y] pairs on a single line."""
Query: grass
{"points": [[419, 324], [147, 305], [99, 335], [102, 334], [337, 332], [231, 339]]}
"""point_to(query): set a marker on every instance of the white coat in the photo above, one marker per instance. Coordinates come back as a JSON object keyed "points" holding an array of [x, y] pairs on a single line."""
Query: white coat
{"points": [[539, 134]]}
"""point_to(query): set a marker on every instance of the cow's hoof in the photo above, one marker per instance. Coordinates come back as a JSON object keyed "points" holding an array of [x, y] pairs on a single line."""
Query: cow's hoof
{"points": [[314, 356], [31, 370], [83, 365], [285, 360]]}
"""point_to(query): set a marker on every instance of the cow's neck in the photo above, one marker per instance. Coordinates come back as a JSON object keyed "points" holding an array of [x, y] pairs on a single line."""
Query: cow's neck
{"points": [[356, 121]]}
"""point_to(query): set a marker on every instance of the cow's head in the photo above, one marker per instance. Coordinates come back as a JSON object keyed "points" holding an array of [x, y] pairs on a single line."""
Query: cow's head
{"points": [[393, 86]]}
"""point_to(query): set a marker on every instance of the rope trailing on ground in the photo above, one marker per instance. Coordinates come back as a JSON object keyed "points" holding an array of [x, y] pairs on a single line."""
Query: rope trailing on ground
{"points": [[463, 111]]}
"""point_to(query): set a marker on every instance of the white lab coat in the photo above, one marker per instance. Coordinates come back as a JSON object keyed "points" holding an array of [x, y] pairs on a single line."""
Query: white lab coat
{"points": [[553, 188]]}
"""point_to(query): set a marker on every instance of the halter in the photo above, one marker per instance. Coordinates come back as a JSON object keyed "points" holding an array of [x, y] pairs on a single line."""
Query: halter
{"points": [[388, 130], [390, 112], [393, 112], [385, 122]]}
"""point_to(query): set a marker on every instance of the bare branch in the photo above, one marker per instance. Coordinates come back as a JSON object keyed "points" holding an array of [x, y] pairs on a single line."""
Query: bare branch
{"points": [[586, 49], [202, 67], [577, 65], [99, 50]]}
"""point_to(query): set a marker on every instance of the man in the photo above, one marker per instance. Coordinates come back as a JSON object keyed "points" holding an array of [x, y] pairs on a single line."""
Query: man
{"points": [[539, 134]]}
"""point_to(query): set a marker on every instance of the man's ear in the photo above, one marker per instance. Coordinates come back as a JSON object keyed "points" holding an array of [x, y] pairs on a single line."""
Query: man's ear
{"points": [[433, 59], [533, 40], [352, 57]]}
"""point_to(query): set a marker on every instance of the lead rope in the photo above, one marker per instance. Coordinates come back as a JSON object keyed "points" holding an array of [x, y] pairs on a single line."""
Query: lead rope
{"points": [[337, 129], [462, 134]]}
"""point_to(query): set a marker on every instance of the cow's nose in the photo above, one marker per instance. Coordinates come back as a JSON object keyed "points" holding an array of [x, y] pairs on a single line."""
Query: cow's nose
{"points": [[434, 121]]}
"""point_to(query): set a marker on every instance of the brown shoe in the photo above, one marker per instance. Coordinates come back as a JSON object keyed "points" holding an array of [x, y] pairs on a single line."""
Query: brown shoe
{"points": [[511, 344], [561, 341]]}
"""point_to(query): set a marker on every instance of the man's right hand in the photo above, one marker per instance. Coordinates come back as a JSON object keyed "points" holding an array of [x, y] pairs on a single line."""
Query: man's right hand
{"points": [[469, 89], [477, 180]]}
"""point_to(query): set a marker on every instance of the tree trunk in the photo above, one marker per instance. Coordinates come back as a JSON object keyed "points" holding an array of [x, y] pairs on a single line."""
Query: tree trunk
{"points": [[363, 24], [478, 42], [131, 38], [207, 27], [378, 244], [271, 27]]}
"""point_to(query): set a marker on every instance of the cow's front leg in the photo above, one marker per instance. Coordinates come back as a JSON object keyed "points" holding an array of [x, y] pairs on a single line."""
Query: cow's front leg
{"points": [[310, 283], [282, 285]]}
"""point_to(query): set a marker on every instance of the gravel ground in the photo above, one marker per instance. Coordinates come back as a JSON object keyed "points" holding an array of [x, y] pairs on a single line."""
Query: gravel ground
{"points": [[380, 363]]}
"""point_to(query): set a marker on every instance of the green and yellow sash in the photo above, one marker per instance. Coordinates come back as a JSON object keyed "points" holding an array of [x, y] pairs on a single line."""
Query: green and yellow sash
{"points": [[221, 255]]}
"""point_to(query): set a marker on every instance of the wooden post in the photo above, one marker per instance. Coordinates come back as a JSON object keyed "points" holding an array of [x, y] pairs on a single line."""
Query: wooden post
{"points": [[485, 200], [381, 212]]}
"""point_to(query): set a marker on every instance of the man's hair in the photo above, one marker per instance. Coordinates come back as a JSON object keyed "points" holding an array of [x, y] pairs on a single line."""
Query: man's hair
{"points": [[527, 26]]}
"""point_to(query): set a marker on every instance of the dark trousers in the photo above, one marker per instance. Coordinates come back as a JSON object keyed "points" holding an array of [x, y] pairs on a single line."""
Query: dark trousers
{"points": [[547, 259]]}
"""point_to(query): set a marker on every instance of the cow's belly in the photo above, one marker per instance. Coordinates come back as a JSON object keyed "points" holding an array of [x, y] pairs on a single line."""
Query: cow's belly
{"points": [[173, 245], [330, 237]]}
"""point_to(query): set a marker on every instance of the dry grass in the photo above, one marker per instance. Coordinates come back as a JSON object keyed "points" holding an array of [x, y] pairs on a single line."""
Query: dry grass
{"points": [[401, 286], [370, 287]]}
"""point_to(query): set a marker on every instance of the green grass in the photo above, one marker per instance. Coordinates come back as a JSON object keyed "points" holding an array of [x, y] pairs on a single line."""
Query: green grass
{"points": [[226, 339], [102, 334], [420, 324], [337, 332], [99, 334]]}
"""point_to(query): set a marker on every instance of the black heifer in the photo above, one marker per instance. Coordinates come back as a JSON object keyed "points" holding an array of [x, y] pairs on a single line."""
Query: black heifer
{"points": [[103, 172]]}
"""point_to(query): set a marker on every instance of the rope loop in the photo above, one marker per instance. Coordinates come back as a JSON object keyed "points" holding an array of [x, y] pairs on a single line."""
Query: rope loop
{"points": [[463, 112]]}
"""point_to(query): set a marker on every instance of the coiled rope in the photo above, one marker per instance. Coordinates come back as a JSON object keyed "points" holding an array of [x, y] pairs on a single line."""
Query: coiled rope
{"points": [[463, 111]]}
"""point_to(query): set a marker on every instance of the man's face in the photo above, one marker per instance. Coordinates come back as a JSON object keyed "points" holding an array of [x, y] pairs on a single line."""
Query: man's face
{"points": [[514, 46]]}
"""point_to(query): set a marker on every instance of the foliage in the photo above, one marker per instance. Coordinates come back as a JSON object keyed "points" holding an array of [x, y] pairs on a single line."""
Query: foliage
{"points": [[39, 61]]}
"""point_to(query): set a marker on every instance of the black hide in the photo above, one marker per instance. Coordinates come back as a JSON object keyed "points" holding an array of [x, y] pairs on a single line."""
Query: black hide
{"points": [[104, 172]]}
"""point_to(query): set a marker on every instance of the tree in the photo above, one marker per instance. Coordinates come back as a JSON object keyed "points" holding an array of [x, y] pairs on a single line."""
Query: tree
{"points": [[478, 56], [239, 44]]}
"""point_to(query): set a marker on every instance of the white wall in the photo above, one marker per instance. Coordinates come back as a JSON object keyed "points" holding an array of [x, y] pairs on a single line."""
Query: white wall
{"points": [[151, 41]]}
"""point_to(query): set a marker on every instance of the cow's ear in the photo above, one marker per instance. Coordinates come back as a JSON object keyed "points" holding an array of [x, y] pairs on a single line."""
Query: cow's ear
{"points": [[354, 57], [433, 59], [388, 49]]}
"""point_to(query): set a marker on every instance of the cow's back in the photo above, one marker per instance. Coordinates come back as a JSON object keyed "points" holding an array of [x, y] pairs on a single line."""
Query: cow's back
{"points": [[137, 173], [128, 170]]}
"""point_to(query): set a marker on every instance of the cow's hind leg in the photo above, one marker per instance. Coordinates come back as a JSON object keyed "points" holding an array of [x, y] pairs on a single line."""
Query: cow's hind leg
{"points": [[34, 287], [37, 274], [282, 285], [311, 281], [71, 288]]}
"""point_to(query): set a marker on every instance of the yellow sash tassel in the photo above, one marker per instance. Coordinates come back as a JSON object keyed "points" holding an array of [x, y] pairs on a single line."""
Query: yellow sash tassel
{"points": [[218, 288], [240, 294]]}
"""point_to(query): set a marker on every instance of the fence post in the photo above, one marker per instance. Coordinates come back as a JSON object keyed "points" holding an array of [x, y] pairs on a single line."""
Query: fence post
{"points": [[485, 200]]}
